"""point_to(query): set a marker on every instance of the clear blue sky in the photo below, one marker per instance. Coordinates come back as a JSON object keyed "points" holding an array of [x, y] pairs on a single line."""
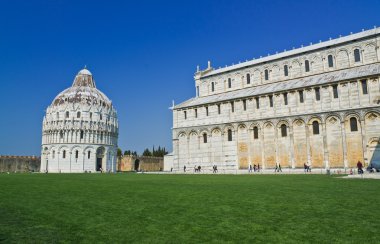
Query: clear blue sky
{"points": [[143, 54]]}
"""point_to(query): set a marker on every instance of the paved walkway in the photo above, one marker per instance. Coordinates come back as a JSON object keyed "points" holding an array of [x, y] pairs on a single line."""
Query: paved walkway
{"points": [[266, 171]]}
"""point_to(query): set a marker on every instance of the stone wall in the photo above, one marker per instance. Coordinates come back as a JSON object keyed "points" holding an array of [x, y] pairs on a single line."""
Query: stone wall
{"points": [[20, 164], [140, 163]]}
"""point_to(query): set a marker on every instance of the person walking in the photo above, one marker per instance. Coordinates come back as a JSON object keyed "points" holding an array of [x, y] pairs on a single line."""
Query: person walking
{"points": [[360, 167], [184, 168], [250, 168], [279, 168], [258, 167]]}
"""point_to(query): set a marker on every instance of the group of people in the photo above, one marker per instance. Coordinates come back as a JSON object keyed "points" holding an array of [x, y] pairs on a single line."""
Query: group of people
{"points": [[255, 168], [214, 169], [306, 167]]}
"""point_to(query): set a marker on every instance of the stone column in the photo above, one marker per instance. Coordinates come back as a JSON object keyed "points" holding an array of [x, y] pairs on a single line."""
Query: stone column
{"points": [[307, 143], [364, 142], [262, 144], [344, 144], [325, 150], [291, 145]]}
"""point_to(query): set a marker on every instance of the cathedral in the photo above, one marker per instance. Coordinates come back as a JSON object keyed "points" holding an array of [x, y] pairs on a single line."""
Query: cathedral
{"points": [[80, 130], [318, 104]]}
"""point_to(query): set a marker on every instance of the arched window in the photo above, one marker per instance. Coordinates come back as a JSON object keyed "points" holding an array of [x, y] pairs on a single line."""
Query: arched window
{"points": [[353, 124], [53, 156], [286, 71], [101, 136], [229, 83], [90, 115], [315, 128], [232, 107], [248, 78], [64, 154], [67, 114], [271, 101], [76, 154], [61, 134], [284, 133], [229, 134], [307, 66], [88, 154], [78, 114], [81, 134], [286, 98], [100, 116], [266, 74], [204, 138], [212, 86], [330, 61], [357, 55], [255, 132]]}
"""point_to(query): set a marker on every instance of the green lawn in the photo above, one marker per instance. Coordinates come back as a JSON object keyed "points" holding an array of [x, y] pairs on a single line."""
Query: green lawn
{"points": [[126, 208]]}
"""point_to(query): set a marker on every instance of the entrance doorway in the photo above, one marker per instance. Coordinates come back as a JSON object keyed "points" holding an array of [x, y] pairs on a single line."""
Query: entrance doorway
{"points": [[98, 164], [374, 154], [137, 164], [99, 159]]}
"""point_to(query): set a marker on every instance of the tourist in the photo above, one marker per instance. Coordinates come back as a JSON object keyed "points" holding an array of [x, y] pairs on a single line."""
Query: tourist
{"points": [[279, 168], [258, 167], [250, 168], [305, 167], [184, 168], [360, 167], [254, 168], [216, 169], [199, 168]]}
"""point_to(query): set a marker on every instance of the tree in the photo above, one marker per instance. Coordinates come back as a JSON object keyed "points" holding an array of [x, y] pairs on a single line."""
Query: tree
{"points": [[119, 152], [147, 152]]}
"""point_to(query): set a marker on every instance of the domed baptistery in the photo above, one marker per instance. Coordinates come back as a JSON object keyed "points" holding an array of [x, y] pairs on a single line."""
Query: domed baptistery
{"points": [[80, 130]]}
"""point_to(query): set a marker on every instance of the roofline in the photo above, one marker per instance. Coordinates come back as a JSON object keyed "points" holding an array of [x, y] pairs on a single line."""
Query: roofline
{"points": [[313, 47]]}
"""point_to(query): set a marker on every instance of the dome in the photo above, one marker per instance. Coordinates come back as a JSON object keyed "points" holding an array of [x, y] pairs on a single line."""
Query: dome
{"points": [[83, 91]]}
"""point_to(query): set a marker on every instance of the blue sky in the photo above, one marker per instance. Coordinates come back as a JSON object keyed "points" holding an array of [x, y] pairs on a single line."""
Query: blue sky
{"points": [[143, 54]]}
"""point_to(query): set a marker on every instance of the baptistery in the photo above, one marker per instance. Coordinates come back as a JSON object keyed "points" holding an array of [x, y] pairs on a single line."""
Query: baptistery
{"points": [[80, 130]]}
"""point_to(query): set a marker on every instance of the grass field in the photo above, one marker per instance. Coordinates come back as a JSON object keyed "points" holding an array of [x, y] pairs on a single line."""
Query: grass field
{"points": [[127, 208]]}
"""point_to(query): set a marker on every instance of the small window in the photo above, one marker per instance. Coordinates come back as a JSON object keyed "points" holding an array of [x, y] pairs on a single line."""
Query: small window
{"points": [[307, 66], [317, 94], [204, 138], [185, 114], [257, 102], [101, 136], [78, 114], [61, 134], [266, 74], [67, 114], [90, 115], [330, 61], [353, 124], [64, 154], [88, 154], [284, 133], [197, 91], [286, 71], [270, 101], [315, 128], [301, 96], [335, 91], [286, 98], [255, 132], [53, 156], [229, 134], [101, 117], [244, 105], [364, 87], [206, 111], [76, 154], [232, 107], [81, 134], [212, 86], [357, 55], [229, 83], [196, 113], [218, 108], [248, 79]]}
